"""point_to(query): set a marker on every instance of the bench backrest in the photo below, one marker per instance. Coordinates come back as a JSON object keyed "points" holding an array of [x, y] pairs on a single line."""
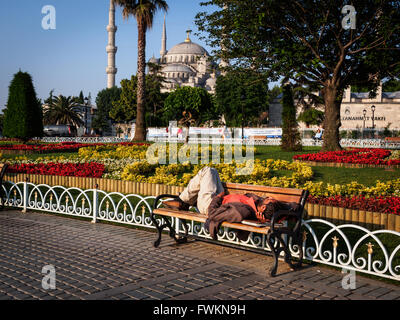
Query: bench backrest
{"points": [[281, 194], [3, 168]]}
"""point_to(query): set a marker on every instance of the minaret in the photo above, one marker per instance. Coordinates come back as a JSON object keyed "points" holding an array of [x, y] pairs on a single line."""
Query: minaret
{"points": [[223, 64], [111, 48], [163, 41]]}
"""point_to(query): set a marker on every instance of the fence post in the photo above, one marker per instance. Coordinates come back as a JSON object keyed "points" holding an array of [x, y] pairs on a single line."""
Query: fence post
{"points": [[25, 195], [95, 203]]}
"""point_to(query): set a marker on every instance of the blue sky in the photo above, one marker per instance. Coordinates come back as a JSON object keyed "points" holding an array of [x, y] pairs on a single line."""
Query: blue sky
{"points": [[73, 57]]}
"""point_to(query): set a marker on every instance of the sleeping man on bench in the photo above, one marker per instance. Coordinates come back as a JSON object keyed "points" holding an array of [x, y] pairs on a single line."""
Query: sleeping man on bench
{"points": [[206, 191]]}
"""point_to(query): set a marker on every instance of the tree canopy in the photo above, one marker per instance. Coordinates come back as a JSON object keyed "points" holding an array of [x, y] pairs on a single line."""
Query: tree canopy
{"points": [[305, 42], [124, 109], [242, 97], [311, 116], [23, 116], [190, 106], [104, 101], [62, 110]]}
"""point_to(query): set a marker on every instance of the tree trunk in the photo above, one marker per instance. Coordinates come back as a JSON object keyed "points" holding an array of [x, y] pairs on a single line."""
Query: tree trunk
{"points": [[140, 127], [332, 122], [187, 135]]}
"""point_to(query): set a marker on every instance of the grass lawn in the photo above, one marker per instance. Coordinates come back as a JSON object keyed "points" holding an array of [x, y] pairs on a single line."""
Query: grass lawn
{"points": [[275, 152], [366, 176]]}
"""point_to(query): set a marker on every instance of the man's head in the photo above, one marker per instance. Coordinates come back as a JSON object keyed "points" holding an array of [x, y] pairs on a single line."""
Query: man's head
{"points": [[266, 208]]}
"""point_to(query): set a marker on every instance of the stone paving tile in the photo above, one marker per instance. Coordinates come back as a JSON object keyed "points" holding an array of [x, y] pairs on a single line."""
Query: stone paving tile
{"points": [[111, 262]]}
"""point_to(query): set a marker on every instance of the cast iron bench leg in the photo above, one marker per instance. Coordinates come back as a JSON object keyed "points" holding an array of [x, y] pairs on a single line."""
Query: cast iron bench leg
{"points": [[275, 244], [159, 228]]}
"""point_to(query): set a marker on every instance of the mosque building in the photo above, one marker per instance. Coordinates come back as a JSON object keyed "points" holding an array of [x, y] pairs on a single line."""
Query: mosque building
{"points": [[185, 64]]}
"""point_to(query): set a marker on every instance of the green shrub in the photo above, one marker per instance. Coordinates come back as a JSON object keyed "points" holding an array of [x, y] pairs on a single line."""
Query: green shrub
{"points": [[23, 116], [291, 140]]}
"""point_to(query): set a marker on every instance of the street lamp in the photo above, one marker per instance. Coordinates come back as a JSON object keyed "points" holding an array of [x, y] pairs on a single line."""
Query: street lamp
{"points": [[364, 113], [86, 106], [242, 98], [373, 123]]}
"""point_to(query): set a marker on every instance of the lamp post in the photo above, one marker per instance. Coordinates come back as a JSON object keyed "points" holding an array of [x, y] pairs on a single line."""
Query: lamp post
{"points": [[373, 123], [86, 106], [364, 114], [242, 98]]}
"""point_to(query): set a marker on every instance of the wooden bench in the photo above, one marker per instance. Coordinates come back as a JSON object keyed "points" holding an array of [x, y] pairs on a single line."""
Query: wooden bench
{"points": [[278, 235], [3, 168]]}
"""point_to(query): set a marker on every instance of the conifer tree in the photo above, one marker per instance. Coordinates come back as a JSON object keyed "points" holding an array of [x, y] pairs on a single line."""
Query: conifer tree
{"points": [[23, 116], [290, 134]]}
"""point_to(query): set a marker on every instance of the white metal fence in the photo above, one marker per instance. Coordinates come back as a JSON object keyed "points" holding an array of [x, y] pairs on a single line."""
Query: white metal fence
{"points": [[83, 139], [345, 246], [307, 142]]}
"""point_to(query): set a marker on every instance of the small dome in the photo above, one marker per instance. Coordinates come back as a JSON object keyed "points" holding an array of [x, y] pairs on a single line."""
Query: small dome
{"points": [[211, 82], [153, 60], [188, 48], [175, 67]]}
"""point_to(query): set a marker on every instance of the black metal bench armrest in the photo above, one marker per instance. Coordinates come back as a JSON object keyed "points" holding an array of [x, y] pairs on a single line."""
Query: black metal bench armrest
{"points": [[297, 214], [161, 196]]}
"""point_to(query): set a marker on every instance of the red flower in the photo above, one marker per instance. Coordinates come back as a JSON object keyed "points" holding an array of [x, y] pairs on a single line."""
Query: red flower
{"points": [[382, 204], [356, 156], [90, 169]]}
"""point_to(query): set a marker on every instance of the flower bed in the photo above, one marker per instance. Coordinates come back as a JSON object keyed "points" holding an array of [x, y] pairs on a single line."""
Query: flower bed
{"points": [[382, 204], [366, 156], [90, 169], [275, 173], [58, 147]]}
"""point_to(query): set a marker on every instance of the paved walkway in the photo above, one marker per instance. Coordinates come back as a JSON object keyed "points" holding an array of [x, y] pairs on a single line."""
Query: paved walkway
{"points": [[101, 261]]}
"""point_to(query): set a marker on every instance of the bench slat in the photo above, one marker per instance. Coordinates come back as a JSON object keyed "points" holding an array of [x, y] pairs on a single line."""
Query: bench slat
{"points": [[280, 194], [187, 215], [267, 189]]}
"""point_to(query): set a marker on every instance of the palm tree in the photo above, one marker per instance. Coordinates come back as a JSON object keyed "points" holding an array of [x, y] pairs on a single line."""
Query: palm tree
{"points": [[143, 11], [62, 110]]}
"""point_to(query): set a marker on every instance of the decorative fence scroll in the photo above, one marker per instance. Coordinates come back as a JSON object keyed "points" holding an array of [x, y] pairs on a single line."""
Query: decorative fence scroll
{"points": [[345, 246]]}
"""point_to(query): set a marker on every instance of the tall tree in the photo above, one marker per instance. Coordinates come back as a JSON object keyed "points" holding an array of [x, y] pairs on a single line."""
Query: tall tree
{"points": [[23, 113], [50, 98], [104, 101], [311, 116], [391, 85], [291, 140], [242, 96], [189, 106], [308, 42], [124, 109], [143, 11], [81, 98], [62, 110]]}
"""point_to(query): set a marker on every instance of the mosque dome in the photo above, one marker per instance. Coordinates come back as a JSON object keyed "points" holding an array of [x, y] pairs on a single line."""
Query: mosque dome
{"points": [[187, 47], [153, 60]]}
